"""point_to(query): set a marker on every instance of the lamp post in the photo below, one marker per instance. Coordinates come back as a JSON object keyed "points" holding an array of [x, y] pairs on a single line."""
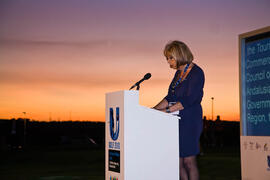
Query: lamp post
{"points": [[212, 108]]}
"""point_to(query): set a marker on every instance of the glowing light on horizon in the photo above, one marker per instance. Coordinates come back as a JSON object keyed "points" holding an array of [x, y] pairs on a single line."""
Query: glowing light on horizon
{"points": [[63, 57]]}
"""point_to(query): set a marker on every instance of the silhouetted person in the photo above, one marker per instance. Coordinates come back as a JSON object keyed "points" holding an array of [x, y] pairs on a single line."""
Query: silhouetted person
{"points": [[219, 131], [204, 141], [211, 133], [13, 135]]}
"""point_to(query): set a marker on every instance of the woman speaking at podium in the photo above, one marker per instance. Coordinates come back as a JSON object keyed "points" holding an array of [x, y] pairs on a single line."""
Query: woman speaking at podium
{"points": [[184, 98]]}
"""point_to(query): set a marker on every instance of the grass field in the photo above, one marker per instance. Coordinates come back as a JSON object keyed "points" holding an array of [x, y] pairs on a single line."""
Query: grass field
{"points": [[220, 164], [59, 164]]}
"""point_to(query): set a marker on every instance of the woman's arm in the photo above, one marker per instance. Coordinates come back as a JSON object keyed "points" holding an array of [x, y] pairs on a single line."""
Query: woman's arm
{"points": [[195, 90], [176, 107], [161, 105], [193, 96]]}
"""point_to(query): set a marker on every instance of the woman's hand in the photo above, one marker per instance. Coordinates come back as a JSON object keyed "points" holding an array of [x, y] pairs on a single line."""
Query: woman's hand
{"points": [[176, 107]]}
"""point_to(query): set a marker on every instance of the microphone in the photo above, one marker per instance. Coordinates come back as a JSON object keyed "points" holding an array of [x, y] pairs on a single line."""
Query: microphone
{"points": [[146, 77]]}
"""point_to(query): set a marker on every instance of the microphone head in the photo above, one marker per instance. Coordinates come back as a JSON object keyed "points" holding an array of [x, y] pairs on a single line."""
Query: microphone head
{"points": [[147, 76]]}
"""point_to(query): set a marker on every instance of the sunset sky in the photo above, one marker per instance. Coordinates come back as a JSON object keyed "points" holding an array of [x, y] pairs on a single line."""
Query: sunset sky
{"points": [[58, 58]]}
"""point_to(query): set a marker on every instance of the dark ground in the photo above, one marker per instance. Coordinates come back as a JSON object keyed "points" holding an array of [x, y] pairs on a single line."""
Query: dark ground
{"points": [[60, 164], [75, 150]]}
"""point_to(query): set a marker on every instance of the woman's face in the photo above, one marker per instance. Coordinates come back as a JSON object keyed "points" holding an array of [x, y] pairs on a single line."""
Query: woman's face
{"points": [[172, 62]]}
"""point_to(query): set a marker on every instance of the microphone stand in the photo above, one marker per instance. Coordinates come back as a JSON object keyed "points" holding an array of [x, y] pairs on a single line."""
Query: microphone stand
{"points": [[138, 87]]}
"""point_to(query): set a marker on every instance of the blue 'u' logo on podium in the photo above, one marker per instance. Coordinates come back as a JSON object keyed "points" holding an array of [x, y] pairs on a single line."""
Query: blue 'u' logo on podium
{"points": [[114, 125]]}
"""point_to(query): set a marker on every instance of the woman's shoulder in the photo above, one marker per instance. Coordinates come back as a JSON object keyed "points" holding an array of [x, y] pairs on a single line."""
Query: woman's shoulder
{"points": [[197, 69], [197, 73]]}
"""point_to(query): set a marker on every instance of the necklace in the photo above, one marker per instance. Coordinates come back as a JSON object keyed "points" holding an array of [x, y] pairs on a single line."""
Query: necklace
{"points": [[174, 85]]}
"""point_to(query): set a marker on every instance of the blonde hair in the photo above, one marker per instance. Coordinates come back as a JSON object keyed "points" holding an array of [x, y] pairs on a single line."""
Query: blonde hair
{"points": [[179, 51]]}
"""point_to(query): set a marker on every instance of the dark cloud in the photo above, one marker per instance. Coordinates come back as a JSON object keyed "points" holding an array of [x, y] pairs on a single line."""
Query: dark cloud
{"points": [[22, 42]]}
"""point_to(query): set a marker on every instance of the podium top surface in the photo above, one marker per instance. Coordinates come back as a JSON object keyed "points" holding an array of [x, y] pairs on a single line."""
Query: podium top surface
{"points": [[131, 98], [124, 91]]}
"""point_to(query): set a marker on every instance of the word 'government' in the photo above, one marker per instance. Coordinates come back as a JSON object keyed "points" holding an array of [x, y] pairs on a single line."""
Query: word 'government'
{"points": [[264, 104], [258, 48]]}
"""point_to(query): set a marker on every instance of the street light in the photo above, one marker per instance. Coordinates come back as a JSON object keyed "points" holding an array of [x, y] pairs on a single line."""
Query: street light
{"points": [[212, 108]]}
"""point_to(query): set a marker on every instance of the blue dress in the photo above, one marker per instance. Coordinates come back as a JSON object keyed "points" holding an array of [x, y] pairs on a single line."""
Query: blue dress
{"points": [[189, 93]]}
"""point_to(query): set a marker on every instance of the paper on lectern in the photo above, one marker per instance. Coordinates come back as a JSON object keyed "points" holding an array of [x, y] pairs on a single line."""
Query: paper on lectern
{"points": [[175, 113]]}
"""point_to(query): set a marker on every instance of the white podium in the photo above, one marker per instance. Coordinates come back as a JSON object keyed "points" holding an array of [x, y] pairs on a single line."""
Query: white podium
{"points": [[141, 143]]}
